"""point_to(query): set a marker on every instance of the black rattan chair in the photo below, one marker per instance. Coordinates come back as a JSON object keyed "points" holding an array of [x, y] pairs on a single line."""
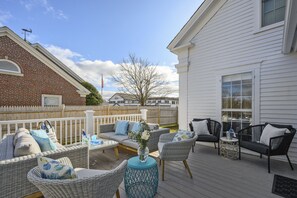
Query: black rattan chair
{"points": [[249, 138], [214, 128]]}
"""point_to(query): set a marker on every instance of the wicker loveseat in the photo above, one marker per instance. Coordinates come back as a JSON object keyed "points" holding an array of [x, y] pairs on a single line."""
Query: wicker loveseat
{"points": [[13, 171], [107, 131]]}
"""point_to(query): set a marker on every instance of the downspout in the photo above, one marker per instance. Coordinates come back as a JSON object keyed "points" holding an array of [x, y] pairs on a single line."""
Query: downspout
{"points": [[188, 66]]}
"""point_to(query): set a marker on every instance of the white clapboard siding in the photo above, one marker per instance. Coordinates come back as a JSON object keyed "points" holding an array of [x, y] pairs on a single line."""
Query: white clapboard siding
{"points": [[229, 41]]}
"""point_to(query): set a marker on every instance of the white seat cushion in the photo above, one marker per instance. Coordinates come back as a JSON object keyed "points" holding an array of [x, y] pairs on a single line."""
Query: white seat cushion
{"points": [[85, 173]]}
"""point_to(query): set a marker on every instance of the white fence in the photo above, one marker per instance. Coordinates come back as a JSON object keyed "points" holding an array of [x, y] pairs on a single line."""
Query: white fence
{"points": [[68, 130]]}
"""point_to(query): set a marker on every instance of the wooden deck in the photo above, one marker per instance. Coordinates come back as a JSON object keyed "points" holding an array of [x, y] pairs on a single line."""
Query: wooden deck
{"points": [[213, 175]]}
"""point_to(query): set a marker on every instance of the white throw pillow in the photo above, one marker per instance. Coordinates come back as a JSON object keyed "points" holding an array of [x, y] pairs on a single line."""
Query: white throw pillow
{"points": [[26, 145], [269, 132], [200, 127]]}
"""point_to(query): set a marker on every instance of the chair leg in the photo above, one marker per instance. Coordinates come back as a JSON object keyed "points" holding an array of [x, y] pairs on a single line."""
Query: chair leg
{"points": [[261, 156], [268, 163], [215, 145], [118, 193], [163, 164], [239, 152], [289, 162], [193, 147], [160, 162], [188, 168], [219, 148]]}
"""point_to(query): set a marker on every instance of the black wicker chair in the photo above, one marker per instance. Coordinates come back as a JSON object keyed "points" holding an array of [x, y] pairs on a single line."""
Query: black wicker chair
{"points": [[214, 128], [249, 138]]}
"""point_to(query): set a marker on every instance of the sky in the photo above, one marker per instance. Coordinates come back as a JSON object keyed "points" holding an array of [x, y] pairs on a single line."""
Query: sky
{"points": [[93, 36]]}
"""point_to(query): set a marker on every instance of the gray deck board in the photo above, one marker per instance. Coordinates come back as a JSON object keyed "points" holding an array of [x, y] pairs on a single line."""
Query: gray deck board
{"points": [[213, 175]]}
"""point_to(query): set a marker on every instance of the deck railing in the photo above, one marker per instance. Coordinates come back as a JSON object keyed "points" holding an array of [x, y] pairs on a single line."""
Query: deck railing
{"points": [[68, 130]]}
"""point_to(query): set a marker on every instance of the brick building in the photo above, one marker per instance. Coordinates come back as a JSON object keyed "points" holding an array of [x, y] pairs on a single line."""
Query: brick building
{"points": [[30, 75]]}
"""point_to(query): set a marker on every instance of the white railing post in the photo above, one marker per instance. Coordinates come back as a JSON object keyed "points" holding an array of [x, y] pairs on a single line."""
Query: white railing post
{"points": [[90, 121], [143, 114]]}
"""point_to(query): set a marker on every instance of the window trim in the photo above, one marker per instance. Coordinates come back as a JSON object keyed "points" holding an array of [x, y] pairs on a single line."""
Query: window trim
{"points": [[50, 95], [254, 68], [258, 19], [14, 73]]}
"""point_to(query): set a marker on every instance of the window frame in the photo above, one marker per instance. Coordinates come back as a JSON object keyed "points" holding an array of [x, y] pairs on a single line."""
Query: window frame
{"points": [[237, 69], [14, 73], [258, 19], [43, 96]]}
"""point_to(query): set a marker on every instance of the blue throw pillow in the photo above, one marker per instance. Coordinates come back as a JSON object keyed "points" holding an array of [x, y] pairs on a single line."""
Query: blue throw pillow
{"points": [[44, 142], [136, 127], [122, 127]]}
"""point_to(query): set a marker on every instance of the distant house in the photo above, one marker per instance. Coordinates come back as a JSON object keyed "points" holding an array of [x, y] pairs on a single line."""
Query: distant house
{"points": [[30, 75], [162, 101], [238, 63], [123, 99]]}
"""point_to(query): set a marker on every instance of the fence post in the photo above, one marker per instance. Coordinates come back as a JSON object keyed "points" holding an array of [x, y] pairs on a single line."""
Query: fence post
{"points": [[90, 121], [144, 114]]}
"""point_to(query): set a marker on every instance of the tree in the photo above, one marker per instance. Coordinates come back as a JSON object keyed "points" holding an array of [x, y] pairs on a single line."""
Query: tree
{"points": [[94, 98], [140, 78]]}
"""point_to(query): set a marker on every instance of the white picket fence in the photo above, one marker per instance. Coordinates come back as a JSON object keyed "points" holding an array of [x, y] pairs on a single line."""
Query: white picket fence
{"points": [[68, 130]]}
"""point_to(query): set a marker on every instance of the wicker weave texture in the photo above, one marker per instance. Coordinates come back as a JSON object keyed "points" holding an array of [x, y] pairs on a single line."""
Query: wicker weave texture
{"points": [[175, 151], [13, 172], [103, 185]]}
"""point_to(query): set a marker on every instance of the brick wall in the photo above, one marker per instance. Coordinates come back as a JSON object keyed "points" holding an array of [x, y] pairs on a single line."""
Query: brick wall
{"points": [[38, 79]]}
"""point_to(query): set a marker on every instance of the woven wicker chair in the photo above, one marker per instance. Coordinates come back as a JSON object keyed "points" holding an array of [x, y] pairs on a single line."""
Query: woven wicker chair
{"points": [[93, 183], [13, 171], [174, 151], [249, 138]]}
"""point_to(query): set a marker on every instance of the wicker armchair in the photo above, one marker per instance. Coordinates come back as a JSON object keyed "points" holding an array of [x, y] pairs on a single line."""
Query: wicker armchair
{"points": [[214, 128], [13, 172], [249, 138], [174, 151], [89, 184]]}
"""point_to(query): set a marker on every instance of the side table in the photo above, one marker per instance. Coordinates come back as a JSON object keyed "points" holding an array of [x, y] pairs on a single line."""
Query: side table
{"points": [[229, 148], [141, 179]]}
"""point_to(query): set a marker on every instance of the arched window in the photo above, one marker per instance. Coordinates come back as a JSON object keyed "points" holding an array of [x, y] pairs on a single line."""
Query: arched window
{"points": [[9, 67]]}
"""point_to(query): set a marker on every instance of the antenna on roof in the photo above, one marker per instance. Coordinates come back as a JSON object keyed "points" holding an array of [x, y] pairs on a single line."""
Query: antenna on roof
{"points": [[26, 31]]}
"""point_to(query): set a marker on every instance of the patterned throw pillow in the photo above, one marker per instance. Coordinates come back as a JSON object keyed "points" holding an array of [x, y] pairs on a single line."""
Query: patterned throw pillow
{"points": [[182, 135], [122, 127], [44, 142], [52, 169]]}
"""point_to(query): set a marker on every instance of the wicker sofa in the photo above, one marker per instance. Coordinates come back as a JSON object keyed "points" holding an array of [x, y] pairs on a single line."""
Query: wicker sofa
{"points": [[107, 131], [13, 171]]}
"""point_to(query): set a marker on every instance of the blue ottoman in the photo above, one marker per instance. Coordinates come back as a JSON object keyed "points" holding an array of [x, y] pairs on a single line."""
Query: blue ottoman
{"points": [[141, 179]]}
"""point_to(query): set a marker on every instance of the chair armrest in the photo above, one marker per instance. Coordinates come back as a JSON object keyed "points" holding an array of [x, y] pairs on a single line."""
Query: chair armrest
{"points": [[154, 138], [166, 137], [104, 128]]}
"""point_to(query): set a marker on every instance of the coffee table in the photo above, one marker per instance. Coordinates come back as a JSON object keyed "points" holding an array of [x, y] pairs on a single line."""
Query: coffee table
{"points": [[107, 144], [229, 148]]}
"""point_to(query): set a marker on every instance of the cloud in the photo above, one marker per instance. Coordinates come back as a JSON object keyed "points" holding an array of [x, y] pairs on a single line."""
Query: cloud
{"points": [[4, 16], [48, 9], [91, 70]]}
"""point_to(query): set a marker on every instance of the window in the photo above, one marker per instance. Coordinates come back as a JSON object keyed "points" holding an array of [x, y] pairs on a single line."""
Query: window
{"points": [[237, 98], [51, 100], [166, 101], [173, 102], [273, 11], [9, 67]]}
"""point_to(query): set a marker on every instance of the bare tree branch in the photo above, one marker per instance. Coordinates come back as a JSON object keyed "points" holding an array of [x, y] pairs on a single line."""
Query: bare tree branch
{"points": [[140, 78]]}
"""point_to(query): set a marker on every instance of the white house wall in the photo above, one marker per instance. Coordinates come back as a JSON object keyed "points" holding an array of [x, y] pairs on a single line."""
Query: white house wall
{"points": [[229, 44]]}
